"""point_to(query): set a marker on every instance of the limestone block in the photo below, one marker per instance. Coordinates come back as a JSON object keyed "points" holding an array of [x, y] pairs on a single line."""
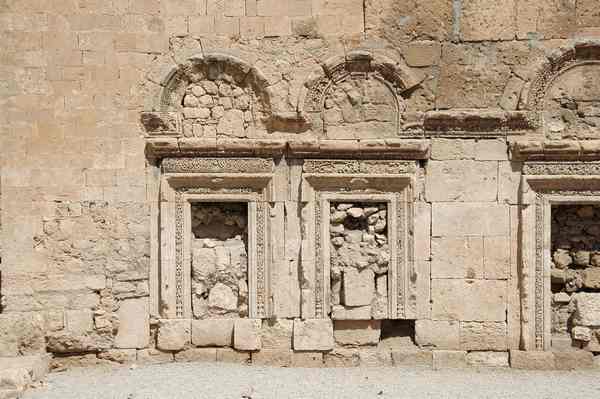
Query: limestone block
{"points": [[462, 180], [465, 219], [215, 332], [154, 356], [439, 334], [196, 355], [37, 366], [548, 19], [342, 357], [272, 357], [374, 358], [581, 333], [173, 334], [482, 20], [222, 297], [412, 357], [340, 312], [449, 359], [359, 287], [307, 359], [423, 289], [591, 278], [363, 332], [457, 257], [531, 360], [491, 150], [313, 335], [587, 309], [246, 334], [452, 149], [21, 334], [487, 359], [134, 324], [422, 224], [468, 300], [228, 355], [483, 336], [277, 334], [496, 257], [422, 54], [573, 360], [79, 321]]}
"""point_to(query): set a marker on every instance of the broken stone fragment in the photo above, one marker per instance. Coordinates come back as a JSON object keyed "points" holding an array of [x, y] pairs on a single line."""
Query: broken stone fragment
{"points": [[358, 287], [587, 309], [558, 276], [222, 297], [585, 212], [344, 207], [561, 297], [591, 278], [338, 217], [562, 258], [581, 333], [582, 258], [595, 259], [355, 212]]}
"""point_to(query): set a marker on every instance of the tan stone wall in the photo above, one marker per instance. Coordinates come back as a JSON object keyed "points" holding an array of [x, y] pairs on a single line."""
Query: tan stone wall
{"points": [[77, 188]]}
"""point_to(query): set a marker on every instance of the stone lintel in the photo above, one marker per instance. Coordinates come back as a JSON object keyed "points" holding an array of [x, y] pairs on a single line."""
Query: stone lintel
{"points": [[555, 150], [479, 122], [353, 149]]}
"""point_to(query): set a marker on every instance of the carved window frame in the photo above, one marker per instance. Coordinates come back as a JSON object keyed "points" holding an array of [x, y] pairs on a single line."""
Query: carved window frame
{"points": [[546, 184], [185, 181], [392, 182]]}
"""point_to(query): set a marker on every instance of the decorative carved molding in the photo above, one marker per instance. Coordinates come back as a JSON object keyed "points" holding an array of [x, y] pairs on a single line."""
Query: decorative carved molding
{"points": [[479, 123], [561, 168], [217, 165], [359, 167]]}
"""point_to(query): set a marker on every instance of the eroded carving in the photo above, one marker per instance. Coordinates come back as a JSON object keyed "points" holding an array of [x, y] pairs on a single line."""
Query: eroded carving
{"points": [[217, 165]]}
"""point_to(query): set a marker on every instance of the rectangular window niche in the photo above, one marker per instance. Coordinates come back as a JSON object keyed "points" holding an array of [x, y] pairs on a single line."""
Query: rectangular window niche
{"points": [[213, 238], [363, 266]]}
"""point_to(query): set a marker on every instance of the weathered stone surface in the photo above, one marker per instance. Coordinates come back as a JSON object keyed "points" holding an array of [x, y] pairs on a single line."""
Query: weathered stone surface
{"points": [[532, 360], [307, 359], [313, 335], [465, 219], [437, 334], [173, 334], [272, 357], [587, 309], [483, 336], [412, 358], [443, 359], [215, 332], [134, 329], [246, 334], [461, 181], [479, 300], [457, 257], [277, 334], [196, 355], [229, 355], [358, 287], [487, 359], [154, 356], [482, 20], [573, 360], [21, 334], [342, 357], [357, 333], [496, 257]]}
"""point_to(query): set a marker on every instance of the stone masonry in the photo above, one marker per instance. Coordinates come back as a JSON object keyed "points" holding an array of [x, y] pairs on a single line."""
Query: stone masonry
{"points": [[300, 182]]}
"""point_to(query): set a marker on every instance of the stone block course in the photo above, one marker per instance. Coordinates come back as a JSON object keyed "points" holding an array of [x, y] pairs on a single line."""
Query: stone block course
{"points": [[466, 181], [246, 335], [313, 335], [486, 300], [173, 334], [216, 332]]}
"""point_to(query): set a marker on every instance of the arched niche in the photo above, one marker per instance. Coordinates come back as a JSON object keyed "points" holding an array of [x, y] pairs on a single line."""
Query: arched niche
{"points": [[218, 95], [565, 90], [356, 97]]}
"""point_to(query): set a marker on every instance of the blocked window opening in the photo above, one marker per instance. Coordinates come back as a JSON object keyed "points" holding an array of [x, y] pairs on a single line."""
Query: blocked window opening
{"points": [[575, 275], [219, 260], [360, 259]]}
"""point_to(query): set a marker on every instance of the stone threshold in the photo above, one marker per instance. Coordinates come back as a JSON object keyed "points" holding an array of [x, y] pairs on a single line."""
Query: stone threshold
{"points": [[345, 357]]}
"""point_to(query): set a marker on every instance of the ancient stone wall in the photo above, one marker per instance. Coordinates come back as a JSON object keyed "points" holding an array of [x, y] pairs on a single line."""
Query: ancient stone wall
{"points": [[476, 96]]}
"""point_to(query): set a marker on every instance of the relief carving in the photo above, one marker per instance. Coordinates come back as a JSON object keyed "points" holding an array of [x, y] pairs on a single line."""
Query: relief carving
{"points": [[217, 165]]}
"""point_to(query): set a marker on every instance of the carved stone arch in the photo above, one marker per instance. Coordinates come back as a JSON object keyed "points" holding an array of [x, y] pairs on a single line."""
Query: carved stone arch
{"points": [[565, 90], [356, 96], [217, 95]]}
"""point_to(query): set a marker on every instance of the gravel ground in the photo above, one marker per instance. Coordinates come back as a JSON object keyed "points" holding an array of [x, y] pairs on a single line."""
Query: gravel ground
{"points": [[203, 380]]}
